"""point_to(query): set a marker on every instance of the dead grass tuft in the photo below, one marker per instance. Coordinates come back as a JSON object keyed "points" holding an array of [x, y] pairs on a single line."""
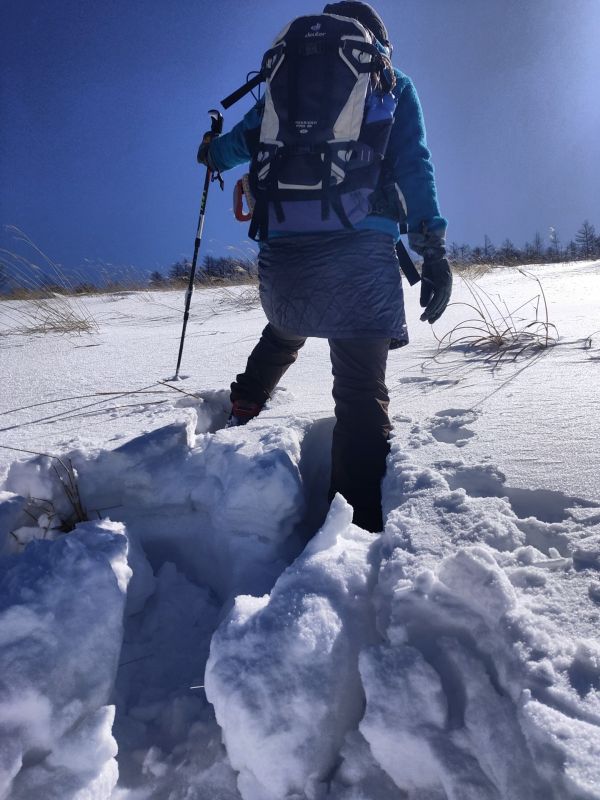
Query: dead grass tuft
{"points": [[230, 300], [43, 308], [49, 518], [495, 333]]}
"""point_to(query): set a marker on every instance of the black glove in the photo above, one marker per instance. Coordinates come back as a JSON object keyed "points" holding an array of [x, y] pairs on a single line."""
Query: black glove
{"points": [[203, 151], [436, 288]]}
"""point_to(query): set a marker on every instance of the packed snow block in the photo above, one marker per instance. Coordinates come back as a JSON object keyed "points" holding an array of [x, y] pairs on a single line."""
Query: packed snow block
{"points": [[404, 480], [222, 506], [148, 470], [407, 725], [61, 622], [142, 583], [249, 489], [283, 669], [251, 481]]}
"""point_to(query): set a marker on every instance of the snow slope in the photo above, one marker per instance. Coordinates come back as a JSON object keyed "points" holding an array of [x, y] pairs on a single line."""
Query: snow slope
{"points": [[454, 657]]}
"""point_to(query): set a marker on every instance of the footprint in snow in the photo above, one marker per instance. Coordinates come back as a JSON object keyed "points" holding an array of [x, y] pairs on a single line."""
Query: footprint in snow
{"points": [[450, 426], [212, 409]]}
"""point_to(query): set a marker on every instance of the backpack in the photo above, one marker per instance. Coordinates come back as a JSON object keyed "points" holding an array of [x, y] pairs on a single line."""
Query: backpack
{"points": [[328, 113]]}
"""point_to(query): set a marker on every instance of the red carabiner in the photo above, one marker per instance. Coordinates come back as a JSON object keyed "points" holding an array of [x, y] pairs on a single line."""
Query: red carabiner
{"points": [[238, 202]]}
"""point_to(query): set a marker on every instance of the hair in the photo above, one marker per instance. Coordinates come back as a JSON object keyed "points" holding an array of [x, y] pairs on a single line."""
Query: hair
{"points": [[363, 13]]}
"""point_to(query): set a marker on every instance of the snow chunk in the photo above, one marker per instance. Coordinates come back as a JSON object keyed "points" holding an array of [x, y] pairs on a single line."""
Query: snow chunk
{"points": [[61, 611], [404, 696], [282, 673]]}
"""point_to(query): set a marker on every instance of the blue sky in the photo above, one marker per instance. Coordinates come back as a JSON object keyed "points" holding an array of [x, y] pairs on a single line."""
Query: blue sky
{"points": [[103, 105]]}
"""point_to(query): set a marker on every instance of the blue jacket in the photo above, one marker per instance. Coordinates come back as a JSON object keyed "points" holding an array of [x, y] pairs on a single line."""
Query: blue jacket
{"points": [[408, 162]]}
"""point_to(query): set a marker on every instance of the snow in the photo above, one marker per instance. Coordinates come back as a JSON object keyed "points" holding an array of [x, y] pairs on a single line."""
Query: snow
{"points": [[297, 649], [183, 617], [58, 661]]}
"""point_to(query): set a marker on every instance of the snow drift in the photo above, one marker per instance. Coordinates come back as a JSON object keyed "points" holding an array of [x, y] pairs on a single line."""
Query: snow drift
{"points": [[453, 657]]}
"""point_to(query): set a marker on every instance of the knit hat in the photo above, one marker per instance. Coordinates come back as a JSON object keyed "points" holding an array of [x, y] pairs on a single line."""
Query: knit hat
{"points": [[363, 13]]}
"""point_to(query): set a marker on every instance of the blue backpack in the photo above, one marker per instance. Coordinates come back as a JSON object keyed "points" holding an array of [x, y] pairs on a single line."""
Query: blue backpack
{"points": [[327, 118]]}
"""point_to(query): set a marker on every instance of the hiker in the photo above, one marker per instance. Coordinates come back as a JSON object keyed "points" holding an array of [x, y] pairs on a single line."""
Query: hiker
{"points": [[327, 265]]}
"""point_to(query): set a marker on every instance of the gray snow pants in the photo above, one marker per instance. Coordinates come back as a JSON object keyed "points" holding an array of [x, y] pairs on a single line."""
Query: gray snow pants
{"points": [[360, 436]]}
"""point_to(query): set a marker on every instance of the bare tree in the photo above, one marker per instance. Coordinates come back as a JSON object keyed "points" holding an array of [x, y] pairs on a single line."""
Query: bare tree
{"points": [[157, 279], [538, 246], [586, 239], [180, 271], [477, 256], [4, 282], [489, 251], [464, 252], [508, 252], [554, 244], [571, 251]]}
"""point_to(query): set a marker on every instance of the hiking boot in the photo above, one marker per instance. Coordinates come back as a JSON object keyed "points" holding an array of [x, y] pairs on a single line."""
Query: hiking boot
{"points": [[242, 412]]}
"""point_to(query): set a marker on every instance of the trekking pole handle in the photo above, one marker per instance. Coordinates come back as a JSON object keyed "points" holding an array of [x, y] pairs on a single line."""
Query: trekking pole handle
{"points": [[216, 124]]}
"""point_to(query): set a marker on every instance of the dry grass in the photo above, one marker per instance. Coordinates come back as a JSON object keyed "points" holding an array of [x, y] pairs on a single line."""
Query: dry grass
{"points": [[44, 514], [473, 271], [42, 310], [495, 333], [230, 300]]}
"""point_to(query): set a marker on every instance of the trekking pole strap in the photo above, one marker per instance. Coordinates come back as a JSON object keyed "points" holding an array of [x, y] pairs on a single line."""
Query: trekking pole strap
{"points": [[406, 264]]}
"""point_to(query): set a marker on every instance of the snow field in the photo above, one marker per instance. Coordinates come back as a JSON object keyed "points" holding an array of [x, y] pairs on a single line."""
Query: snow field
{"points": [[454, 657]]}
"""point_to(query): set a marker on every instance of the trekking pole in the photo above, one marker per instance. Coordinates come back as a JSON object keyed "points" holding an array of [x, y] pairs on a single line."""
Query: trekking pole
{"points": [[216, 128]]}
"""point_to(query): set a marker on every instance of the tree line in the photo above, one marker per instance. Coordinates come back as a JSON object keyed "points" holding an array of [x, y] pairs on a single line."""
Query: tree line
{"points": [[213, 269], [230, 269], [29, 282], [584, 246]]}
